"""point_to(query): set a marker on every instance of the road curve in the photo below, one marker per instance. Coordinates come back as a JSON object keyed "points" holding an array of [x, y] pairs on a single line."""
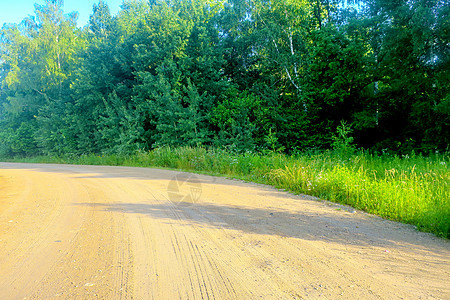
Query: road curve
{"points": [[88, 232]]}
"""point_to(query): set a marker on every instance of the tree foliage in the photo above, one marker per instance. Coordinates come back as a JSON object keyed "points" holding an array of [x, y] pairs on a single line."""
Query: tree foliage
{"points": [[246, 75]]}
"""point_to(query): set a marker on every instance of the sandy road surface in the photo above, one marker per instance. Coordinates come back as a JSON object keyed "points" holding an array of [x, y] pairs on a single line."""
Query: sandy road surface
{"points": [[84, 232]]}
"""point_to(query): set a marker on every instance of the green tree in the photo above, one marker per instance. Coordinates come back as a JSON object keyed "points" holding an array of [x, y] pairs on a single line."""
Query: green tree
{"points": [[412, 72], [38, 56]]}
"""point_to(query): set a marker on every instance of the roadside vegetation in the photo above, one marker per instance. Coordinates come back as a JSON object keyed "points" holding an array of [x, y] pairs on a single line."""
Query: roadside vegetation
{"points": [[240, 75], [411, 189]]}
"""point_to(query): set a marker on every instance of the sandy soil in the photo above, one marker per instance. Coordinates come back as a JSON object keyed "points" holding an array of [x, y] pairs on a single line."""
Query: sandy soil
{"points": [[84, 232]]}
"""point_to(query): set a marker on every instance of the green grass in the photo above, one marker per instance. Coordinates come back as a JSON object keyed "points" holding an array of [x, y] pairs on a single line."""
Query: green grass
{"points": [[410, 189]]}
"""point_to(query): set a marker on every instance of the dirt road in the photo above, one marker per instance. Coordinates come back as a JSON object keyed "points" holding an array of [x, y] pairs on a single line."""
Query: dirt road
{"points": [[85, 232]]}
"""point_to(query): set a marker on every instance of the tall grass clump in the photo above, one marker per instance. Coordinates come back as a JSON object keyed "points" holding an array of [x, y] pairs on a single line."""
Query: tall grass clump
{"points": [[411, 190]]}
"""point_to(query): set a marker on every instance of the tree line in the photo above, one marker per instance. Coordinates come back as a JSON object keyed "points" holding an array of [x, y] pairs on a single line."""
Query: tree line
{"points": [[245, 75]]}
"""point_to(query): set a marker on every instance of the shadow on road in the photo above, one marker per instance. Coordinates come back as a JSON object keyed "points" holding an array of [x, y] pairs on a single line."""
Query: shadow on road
{"points": [[342, 228]]}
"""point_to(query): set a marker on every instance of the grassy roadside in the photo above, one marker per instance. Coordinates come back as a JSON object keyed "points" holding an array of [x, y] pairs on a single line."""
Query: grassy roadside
{"points": [[409, 189]]}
